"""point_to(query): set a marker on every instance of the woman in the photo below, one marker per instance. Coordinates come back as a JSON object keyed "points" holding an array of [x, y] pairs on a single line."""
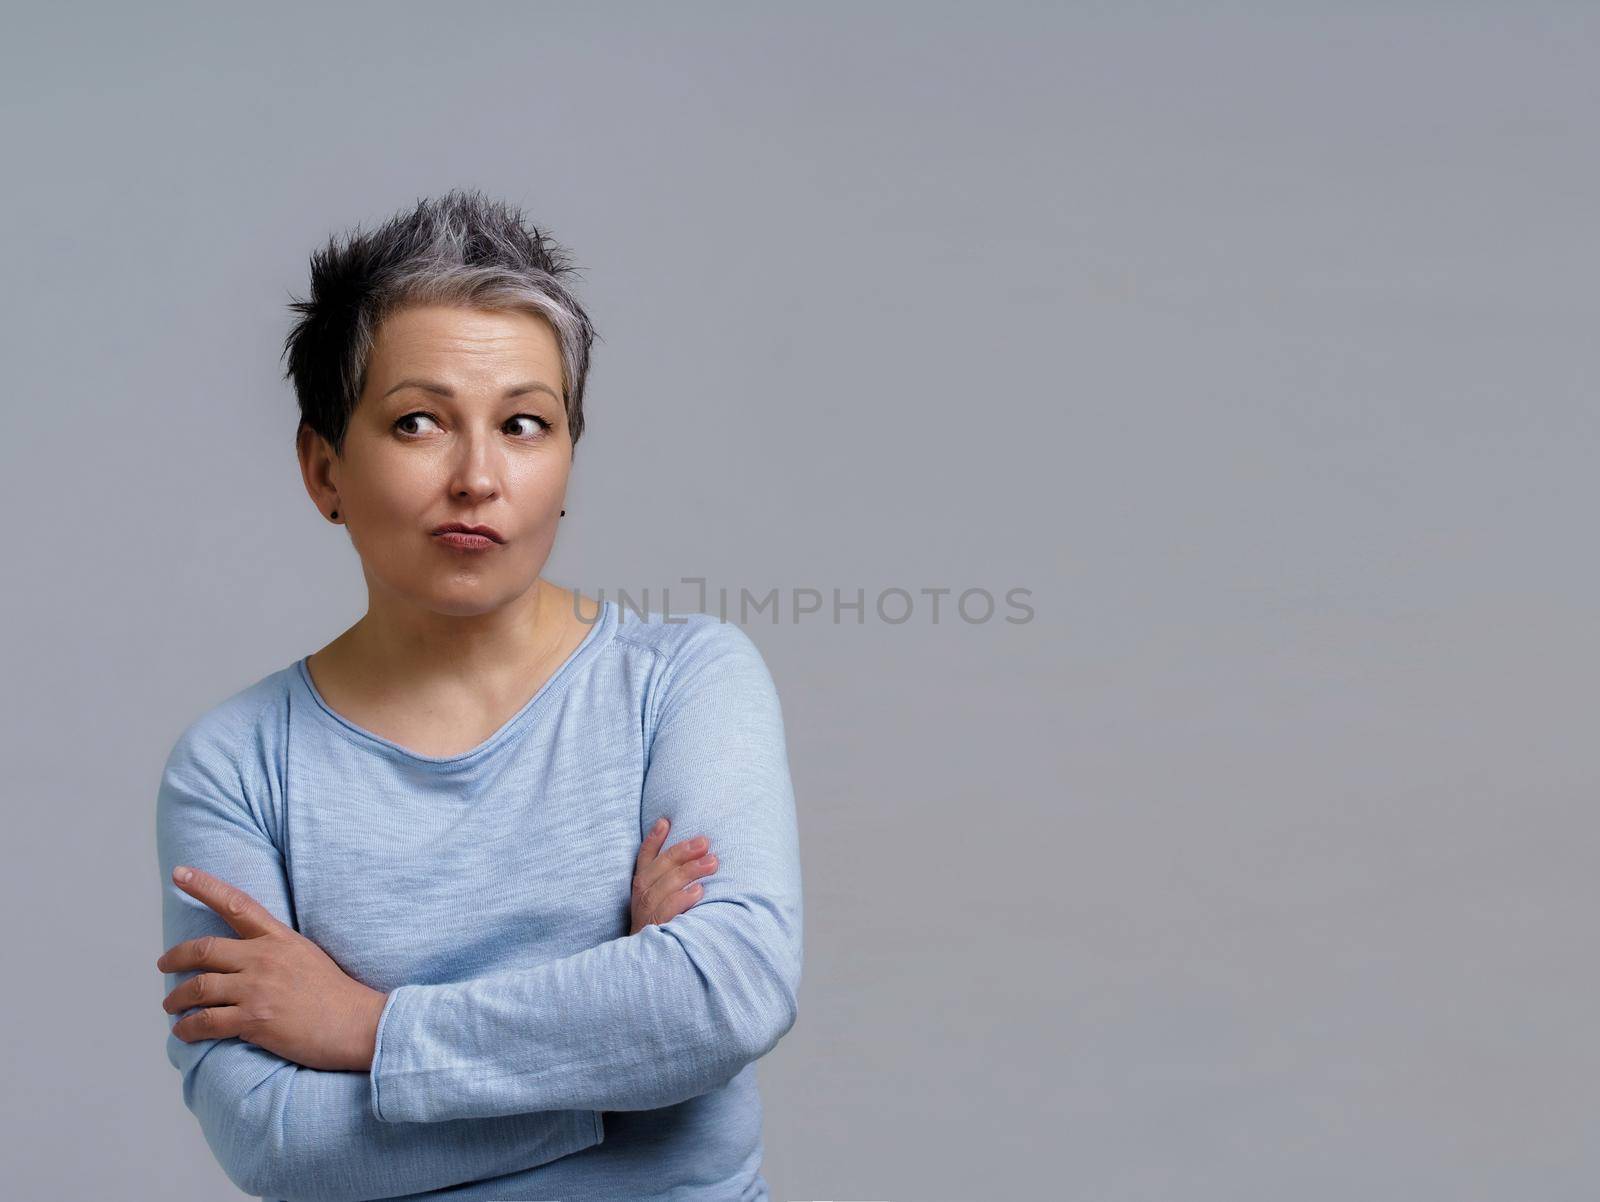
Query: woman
{"points": [[431, 937]]}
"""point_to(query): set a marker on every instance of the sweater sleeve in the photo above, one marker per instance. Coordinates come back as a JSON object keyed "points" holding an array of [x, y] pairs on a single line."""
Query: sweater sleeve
{"points": [[277, 1128], [672, 1011]]}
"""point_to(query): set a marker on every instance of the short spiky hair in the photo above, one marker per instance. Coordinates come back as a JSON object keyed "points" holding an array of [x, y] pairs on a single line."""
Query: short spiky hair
{"points": [[462, 248]]}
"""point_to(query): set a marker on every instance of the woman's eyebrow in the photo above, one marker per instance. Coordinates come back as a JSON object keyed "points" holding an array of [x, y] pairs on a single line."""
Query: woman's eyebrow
{"points": [[446, 390]]}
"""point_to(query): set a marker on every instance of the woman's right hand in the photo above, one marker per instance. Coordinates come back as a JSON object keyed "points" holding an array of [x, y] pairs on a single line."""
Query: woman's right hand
{"points": [[659, 878]]}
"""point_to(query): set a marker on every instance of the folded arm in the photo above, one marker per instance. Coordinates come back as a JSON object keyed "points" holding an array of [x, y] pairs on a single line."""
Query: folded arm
{"points": [[672, 1011], [279, 1129]]}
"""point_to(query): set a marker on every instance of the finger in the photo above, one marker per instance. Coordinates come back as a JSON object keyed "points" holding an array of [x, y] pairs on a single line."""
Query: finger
{"points": [[664, 889], [208, 951], [675, 903], [238, 909], [219, 1022], [648, 876], [687, 849], [203, 989], [688, 873], [652, 844]]}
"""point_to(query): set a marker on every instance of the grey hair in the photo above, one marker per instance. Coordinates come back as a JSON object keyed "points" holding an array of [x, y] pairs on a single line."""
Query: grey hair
{"points": [[460, 249]]}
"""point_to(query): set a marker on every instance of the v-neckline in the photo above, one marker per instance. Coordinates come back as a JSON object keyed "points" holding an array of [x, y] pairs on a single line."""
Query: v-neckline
{"points": [[600, 632]]}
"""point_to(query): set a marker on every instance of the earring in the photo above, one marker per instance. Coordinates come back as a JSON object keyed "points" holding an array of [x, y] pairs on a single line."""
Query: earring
{"points": [[333, 516], [563, 513]]}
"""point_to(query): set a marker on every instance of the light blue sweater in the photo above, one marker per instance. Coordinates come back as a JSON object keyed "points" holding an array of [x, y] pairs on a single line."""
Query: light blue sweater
{"points": [[488, 894]]}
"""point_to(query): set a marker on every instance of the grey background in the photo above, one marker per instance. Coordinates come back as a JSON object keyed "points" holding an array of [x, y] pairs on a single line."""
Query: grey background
{"points": [[1256, 341]]}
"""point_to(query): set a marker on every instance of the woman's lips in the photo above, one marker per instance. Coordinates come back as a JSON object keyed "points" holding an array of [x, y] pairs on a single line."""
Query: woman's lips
{"points": [[466, 542]]}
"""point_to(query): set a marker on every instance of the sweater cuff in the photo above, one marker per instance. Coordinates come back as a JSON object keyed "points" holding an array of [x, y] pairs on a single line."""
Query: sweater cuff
{"points": [[376, 1071]]}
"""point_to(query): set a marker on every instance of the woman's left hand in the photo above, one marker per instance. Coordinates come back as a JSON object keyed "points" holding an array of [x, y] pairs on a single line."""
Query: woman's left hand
{"points": [[273, 987]]}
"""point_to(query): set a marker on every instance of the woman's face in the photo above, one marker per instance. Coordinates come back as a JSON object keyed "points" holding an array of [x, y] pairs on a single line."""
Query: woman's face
{"points": [[461, 420]]}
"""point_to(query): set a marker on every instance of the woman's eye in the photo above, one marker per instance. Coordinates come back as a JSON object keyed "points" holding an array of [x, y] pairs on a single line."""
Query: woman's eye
{"points": [[412, 417], [540, 425]]}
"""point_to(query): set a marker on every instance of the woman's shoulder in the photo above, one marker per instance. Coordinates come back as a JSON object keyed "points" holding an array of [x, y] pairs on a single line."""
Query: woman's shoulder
{"points": [[681, 640], [701, 663], [246, 720]]}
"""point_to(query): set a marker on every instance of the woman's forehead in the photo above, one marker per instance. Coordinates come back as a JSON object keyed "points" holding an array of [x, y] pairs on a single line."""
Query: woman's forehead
{"points": [[428, 329], [512, 352]]}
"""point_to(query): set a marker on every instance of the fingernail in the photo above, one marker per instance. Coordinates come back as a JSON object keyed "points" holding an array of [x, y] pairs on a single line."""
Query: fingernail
{"points": [[181, 874], [656, 829]]}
